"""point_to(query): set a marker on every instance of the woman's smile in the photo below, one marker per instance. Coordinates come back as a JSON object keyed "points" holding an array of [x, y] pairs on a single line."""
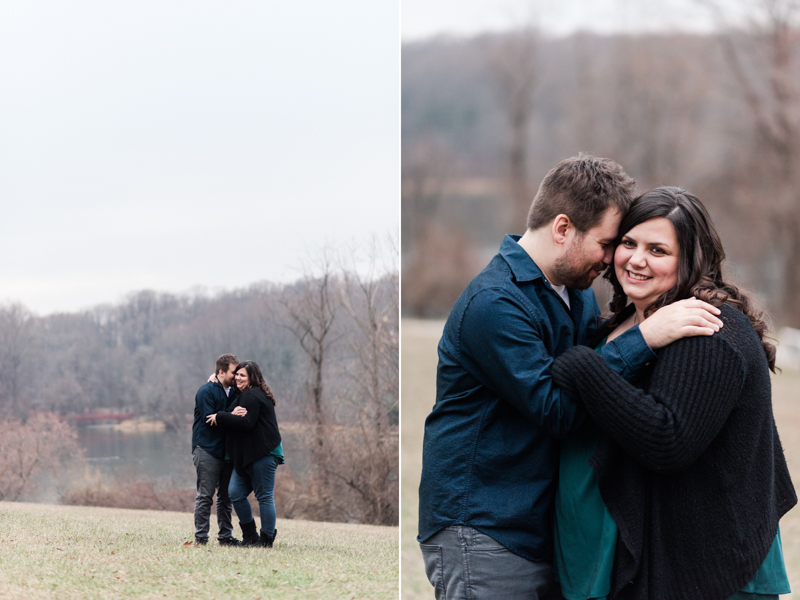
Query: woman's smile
{"points": [[646, 261], [242, 380], [637, 277]]}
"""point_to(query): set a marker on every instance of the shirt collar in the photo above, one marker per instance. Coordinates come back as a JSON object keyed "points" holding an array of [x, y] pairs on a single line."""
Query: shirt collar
{"points": [[519, 260]]}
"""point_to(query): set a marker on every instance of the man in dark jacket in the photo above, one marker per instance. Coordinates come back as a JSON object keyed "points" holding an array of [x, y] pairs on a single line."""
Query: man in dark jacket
{"points": [[208, 455]]}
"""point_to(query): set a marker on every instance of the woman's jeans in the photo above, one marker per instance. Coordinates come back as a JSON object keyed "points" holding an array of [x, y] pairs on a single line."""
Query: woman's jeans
{"points": [[261, 480]]}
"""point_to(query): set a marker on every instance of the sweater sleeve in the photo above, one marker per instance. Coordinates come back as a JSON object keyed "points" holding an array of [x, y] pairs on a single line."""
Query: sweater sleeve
{"points": [[247, 422], [693, 388]]}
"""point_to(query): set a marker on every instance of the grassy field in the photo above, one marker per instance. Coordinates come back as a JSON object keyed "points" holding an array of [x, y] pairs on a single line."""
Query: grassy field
{"points": [[68, 552], [419, 340]]}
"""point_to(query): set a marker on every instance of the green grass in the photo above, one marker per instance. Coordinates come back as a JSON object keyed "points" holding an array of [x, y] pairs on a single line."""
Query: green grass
{"points": [[49, 551], [419, 341]]}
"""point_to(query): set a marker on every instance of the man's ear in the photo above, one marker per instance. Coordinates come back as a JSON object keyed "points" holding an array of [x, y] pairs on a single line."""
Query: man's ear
{"points": [[560, 227]]}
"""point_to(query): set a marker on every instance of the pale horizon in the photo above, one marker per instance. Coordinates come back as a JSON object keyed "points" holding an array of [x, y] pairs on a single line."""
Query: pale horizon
{"points": [[150, 145]]}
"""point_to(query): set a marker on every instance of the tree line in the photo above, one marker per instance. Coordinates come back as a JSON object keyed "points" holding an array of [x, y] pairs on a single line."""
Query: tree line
{"points": [[327, 343], [485, 117]]}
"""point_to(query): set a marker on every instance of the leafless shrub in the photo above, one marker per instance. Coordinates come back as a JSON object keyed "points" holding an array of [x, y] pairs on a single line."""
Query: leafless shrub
{"points": [[357, 482], [41, 446], [436, 271], [364, 472], [140, 494]]}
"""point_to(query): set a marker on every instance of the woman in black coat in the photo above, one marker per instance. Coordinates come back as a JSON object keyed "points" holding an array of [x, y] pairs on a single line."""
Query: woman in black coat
{"points": [[687, 460], [253, 442]]}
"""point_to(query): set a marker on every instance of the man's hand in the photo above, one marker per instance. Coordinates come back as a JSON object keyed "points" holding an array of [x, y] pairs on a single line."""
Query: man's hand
{"points": [[684, 318], [239, 411], [211, 419]]}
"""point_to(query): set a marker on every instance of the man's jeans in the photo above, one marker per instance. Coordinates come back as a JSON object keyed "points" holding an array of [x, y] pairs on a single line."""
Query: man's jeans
{"points": [[464, 564], [212, 473], [261, 480]]}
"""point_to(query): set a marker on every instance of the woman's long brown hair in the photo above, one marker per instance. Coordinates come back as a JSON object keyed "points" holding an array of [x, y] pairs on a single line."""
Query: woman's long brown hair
{"points": [[700, 259]]}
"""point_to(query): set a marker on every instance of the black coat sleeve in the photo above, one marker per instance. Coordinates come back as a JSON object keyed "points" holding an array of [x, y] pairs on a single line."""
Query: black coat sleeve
{"points": [[249, 401], [694, 386]]}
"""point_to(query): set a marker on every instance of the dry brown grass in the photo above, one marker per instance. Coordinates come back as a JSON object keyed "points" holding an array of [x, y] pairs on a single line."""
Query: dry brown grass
{"points": [[418, 379], [79, 552]]}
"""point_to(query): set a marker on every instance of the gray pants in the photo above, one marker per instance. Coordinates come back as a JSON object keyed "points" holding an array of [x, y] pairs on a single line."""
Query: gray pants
{"points": [[464, 564], [212, 474]]}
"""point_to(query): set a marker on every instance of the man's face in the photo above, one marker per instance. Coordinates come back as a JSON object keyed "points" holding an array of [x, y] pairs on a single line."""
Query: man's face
{"points": [[226, 378], [588, 254]]}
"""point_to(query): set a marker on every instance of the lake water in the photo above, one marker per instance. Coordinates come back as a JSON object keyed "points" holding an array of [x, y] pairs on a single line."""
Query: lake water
{"points": [[163, 456]]}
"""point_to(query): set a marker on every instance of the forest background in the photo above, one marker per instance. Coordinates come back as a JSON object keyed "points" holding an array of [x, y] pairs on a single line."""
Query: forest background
{"points": [[327, 343], [484, 117]]}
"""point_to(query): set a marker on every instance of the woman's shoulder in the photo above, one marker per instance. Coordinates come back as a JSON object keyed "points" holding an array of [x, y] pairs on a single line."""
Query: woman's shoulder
{"points": [[730, 313], [737, 337], [254, 394], [738, 330]]}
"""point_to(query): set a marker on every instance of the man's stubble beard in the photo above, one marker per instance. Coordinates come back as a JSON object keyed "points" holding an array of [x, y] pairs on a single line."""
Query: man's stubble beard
{"points": [[571, 270]]}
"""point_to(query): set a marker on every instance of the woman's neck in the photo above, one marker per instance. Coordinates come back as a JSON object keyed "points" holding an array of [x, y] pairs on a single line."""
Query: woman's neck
{"points": [[638, 315], [633, 319]]}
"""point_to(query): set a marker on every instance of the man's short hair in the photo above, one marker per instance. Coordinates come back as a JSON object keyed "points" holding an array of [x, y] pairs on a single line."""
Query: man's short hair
{"points": [[583, 188], [225, 361]]}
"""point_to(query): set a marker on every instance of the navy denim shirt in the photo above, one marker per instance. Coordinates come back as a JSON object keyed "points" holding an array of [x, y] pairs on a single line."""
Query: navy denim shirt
{"points": [[210, 399], [490, 452]]}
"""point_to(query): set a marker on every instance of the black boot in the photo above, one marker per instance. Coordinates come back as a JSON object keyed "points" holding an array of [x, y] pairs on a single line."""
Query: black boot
{"points": [[267, 540], [231, 541], [249, 534]]}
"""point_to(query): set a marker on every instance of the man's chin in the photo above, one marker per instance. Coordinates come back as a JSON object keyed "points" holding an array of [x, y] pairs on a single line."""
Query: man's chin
{"points": [[584, 282]]}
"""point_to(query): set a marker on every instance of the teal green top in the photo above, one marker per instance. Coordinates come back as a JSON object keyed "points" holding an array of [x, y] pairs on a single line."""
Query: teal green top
{"points": [[585, 535], [278, 453]]}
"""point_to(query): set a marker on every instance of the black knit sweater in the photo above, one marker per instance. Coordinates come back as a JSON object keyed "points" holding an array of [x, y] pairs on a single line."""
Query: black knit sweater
{"points": [[253, 436], [690, 467]]}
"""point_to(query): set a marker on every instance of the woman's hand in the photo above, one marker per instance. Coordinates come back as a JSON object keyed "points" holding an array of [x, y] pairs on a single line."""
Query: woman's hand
{"points": [[684, 318], [213, 378], [239, 411], [211, 419]]}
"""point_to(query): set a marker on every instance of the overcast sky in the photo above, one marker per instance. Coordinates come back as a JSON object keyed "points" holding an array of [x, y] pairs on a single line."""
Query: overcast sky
{"points": [[153, 144], [425, 18]]}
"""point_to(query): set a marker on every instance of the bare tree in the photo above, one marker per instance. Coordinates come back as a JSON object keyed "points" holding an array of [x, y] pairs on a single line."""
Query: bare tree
{"points": [[310, 309], [371, 448], [16, 345], [438, 259], [423, 174], [33, 448], [370, 299], [764, 59], [514, 70]]}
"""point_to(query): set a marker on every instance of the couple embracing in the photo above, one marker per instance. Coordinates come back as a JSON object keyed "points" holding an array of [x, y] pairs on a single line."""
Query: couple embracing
{"points": [[236, 449], [633, 457]]}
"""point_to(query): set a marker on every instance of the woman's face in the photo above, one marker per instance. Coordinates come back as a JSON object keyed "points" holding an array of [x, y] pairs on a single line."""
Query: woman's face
{"points": [[242, 380], [646, 261]]}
